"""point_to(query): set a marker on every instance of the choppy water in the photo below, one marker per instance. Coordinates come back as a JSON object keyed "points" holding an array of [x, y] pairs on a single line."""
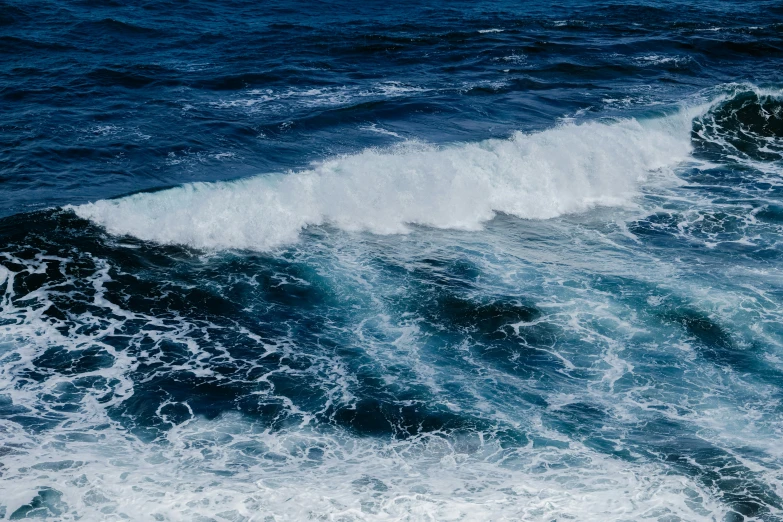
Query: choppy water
{"points": [[363, 261]]}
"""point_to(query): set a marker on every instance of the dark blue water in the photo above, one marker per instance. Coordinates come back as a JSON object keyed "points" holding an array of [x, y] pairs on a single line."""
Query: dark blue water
{"points": [[391, 261]]}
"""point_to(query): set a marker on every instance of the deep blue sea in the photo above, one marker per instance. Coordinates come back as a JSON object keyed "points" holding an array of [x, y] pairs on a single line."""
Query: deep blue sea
{"points": [[379, 261]]}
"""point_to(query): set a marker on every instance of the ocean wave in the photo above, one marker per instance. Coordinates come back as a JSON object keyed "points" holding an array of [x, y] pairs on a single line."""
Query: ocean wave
{"points": [[566, 169], [745, 128]]}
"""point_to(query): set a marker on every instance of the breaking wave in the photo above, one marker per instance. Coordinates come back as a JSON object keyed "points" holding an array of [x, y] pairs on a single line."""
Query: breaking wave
{"points": [[567, 169]]}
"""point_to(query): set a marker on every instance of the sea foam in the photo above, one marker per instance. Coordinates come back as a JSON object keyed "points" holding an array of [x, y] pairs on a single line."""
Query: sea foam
{"points": [[567, 169]]}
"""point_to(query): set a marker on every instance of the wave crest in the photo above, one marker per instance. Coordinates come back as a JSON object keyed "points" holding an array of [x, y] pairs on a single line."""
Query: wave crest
{"points": [[567, 169]]}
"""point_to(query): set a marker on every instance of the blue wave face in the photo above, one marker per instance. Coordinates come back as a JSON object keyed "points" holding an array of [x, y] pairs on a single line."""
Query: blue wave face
{"points": [[476, 261]]}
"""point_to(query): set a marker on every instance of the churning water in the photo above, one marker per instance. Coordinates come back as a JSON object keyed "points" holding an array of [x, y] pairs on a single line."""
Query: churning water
{"points": [[335, 261]]}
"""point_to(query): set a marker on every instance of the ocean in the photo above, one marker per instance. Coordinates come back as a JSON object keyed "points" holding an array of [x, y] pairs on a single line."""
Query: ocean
{"points": [[375, 261]]}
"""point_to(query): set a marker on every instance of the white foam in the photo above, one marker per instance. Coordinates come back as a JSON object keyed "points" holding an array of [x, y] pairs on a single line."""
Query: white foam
{"points": [[281, 101], [513, 58], [357, 479], [657, 59], [567, 169], [379, 130]]}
